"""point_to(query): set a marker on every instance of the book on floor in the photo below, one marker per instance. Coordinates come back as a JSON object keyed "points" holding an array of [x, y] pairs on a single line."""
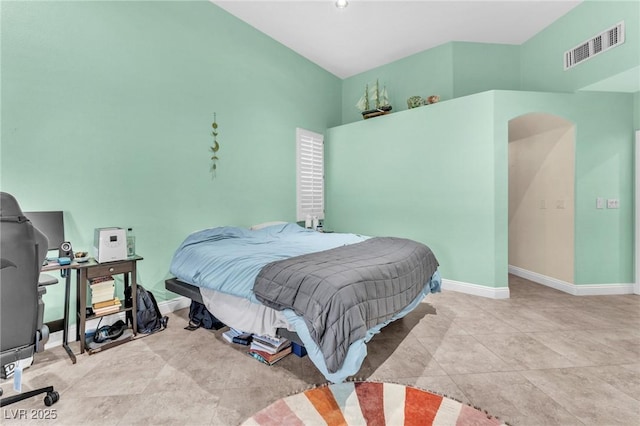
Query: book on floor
{"points": [[269, 344], [267, 358]]}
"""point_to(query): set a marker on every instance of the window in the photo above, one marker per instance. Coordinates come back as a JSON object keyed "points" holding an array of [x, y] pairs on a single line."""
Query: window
{"points": [[309, 174]]}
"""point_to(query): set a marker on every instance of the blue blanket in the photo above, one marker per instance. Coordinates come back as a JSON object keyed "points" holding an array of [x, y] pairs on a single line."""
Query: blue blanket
{"points": [[228, 259]]}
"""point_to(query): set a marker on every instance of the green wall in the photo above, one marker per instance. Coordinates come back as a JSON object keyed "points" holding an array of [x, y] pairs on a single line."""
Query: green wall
{"points": [[543, 55], [481, 66], [107, 110], [636, 110], [420, 174], [439, 175], [450, 70]]}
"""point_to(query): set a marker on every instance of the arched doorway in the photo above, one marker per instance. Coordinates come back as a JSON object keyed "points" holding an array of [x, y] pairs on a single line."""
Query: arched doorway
{"points": [[542, 198]]}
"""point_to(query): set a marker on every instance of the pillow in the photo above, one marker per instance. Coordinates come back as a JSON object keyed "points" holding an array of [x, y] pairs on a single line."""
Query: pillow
{"points": [[266, 224]]}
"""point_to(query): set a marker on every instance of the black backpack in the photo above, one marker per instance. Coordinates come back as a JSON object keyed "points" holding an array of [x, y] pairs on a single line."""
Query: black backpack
{"points": [[149, 319], [199, 316]]}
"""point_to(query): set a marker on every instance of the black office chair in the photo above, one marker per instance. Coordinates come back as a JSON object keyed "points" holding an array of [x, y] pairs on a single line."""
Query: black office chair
{"points": [[22, 251]]}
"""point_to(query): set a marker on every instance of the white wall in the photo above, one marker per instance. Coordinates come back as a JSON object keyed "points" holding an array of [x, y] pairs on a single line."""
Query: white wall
{"points": [[541, 195], [637, 286]]}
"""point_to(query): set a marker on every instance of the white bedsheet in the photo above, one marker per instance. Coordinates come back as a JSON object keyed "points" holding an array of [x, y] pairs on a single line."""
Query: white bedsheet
{"points": [[242, 314]]}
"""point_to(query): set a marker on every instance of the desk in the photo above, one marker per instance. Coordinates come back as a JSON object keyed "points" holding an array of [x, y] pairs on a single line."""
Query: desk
{"points": [[67, 295], [85, 271]]}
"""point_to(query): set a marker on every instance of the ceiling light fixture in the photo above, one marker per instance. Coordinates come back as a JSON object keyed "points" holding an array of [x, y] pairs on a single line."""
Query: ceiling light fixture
{"points": [[341, 4]]}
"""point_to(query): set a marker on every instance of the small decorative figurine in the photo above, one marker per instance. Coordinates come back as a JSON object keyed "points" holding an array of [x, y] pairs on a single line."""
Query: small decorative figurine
{"points": [[433, 99], [414, 102], [216, 146], [380, 100]]}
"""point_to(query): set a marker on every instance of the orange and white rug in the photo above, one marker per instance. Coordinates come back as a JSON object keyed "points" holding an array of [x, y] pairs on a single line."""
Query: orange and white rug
{"points": [[369, 403]]}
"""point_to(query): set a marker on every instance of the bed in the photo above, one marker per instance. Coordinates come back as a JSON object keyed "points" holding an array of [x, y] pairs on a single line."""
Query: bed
{"points": [[330, 292]]}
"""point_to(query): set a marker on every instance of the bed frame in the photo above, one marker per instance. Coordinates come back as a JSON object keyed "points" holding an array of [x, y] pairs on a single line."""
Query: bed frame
{"points": [[183, 289], [192, 292]]}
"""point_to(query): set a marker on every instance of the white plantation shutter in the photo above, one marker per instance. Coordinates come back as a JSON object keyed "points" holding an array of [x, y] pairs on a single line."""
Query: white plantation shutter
{"points": [[309, 174]]}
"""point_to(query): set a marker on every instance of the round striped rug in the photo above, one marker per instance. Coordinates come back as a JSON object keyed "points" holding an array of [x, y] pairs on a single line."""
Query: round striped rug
{"points": [[369, 403]]}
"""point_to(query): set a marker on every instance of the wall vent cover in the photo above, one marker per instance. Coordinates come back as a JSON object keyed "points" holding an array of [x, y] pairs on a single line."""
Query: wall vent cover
{"points": [[602, 42]]}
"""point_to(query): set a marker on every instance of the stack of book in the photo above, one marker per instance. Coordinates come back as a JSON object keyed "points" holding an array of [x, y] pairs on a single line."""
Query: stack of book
{"points": [[236, 336], [269, 350], [103, 300]]}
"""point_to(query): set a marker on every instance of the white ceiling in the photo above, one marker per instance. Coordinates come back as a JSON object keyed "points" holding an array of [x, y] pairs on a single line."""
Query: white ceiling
{"points": [[370, 33]]}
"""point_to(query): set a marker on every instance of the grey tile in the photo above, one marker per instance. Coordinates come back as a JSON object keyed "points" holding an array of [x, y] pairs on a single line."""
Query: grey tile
{"points": [[168, 407], [460, 354], [236, 405], [436, 325], [586, 396], [524, 319], [513, 398], [409, 359], [521, 351], [483, 323], [122, 374], [575, 319], [582, 349], [623, 343], [625, 378]]}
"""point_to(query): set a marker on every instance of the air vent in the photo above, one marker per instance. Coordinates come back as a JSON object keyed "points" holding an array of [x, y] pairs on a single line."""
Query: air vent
{"points": [[600, 43]]}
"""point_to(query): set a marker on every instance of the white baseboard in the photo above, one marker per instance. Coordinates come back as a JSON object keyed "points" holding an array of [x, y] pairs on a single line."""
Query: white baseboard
{"points": [[476, 289], [175, 304], [55, 339], [574, 289]]}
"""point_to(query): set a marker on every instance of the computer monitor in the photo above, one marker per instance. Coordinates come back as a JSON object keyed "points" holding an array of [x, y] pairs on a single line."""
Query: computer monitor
{"points": [[50, 224]]}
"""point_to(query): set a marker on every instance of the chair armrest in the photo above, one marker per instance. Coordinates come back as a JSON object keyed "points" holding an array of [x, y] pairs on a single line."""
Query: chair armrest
{"points": [[46, 279]]}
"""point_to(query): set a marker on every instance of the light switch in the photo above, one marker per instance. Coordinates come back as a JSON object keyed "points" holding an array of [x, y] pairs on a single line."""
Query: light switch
{"points": [[613, 203], [599, 203]]}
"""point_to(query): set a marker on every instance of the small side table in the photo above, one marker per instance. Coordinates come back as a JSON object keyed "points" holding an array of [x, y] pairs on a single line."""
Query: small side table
{"points": [[92, 269]]}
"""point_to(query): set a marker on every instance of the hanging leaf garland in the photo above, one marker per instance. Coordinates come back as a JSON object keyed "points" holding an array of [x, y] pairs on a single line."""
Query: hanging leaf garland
{"points": [[216, 146]]}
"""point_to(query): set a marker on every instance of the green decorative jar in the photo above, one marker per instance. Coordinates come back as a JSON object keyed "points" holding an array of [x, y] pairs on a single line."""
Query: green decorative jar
{"points": [[414, 102]]}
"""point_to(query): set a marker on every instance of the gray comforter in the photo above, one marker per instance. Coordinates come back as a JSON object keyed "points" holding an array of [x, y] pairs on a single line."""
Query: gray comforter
{"points": [[343, 292]]}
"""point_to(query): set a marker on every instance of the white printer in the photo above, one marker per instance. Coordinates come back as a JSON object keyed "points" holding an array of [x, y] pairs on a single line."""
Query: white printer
{"points": [[109, 244]]}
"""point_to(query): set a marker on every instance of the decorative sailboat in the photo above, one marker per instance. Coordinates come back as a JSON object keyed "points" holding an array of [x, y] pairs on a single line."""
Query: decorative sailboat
{"points": [[380, 100]]}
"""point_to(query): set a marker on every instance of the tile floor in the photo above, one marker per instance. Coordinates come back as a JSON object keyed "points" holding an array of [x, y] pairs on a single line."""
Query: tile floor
{"points": [[542, 357]]}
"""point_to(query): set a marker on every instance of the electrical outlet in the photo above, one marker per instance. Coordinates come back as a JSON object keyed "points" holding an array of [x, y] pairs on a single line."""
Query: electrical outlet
{"points": [[613, 203], [599, 203]]}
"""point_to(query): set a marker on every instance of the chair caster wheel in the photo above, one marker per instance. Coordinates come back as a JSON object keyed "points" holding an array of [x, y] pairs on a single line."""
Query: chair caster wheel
{"points": [[51, 398]]}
